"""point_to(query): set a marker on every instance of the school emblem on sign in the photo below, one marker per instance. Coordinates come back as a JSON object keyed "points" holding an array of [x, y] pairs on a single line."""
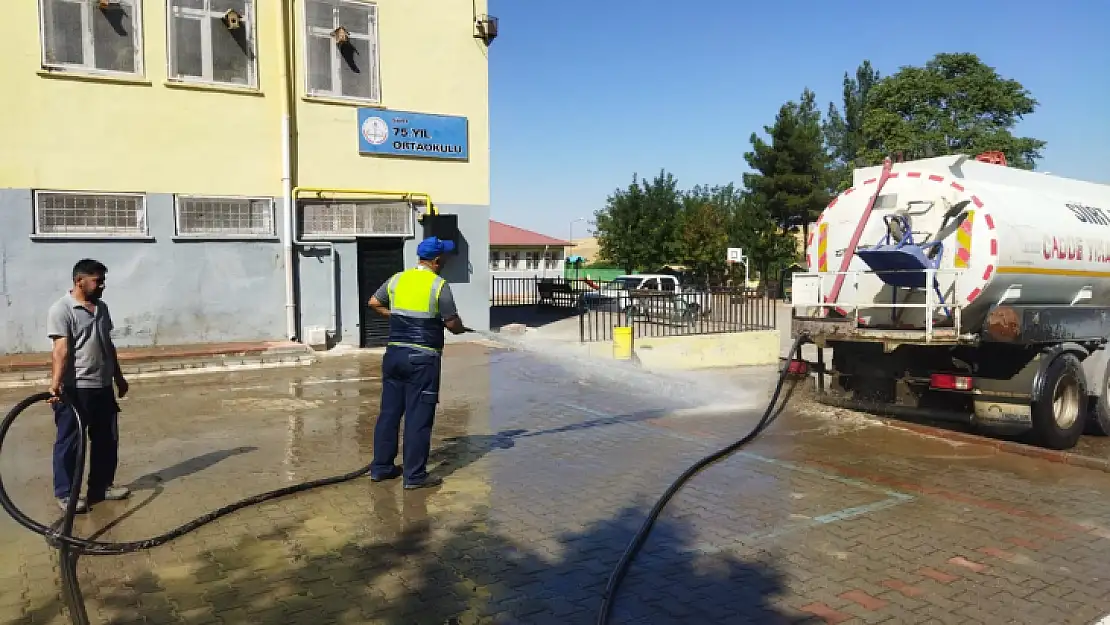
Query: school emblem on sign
{"points": [[375, 130]]}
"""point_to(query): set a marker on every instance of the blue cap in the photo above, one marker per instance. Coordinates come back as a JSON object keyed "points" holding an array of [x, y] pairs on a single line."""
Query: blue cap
{"points": [[433, 246]]}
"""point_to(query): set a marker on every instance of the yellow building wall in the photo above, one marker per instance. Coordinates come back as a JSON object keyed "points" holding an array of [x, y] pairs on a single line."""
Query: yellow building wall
{"points": [[76, 132]]}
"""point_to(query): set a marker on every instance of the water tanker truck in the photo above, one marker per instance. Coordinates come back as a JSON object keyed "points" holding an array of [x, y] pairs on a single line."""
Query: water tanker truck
{"points": [[960, 287]]}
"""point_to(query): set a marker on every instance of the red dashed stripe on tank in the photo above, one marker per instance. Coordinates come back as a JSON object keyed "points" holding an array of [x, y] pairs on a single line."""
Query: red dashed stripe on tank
{"points": [[987, 219]]}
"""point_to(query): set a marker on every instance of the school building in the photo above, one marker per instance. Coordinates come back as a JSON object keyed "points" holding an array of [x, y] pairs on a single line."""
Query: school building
{"points": [[247, 169]]}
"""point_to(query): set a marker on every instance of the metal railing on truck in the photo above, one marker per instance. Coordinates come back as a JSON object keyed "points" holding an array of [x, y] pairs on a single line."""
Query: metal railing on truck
{"points": [[809, 290]]}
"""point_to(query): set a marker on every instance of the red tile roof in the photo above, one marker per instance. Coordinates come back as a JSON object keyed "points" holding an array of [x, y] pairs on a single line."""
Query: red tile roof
{"points": [[505, 235]]}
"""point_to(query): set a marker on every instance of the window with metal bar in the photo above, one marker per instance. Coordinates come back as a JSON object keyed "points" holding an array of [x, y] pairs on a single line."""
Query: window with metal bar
{"points": [[321, 219], [66, 214], [225, 217]]}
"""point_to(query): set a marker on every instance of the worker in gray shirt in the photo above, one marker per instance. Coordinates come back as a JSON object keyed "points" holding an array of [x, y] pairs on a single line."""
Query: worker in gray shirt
{"points": [[83, 367]]}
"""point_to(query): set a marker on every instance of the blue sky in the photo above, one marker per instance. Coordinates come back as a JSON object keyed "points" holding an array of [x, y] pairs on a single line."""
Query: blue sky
{"points": [[584, 93]]}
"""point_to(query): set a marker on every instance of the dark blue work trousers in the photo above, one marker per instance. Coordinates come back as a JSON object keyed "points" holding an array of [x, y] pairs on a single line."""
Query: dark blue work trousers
{"points": [[100, 413], [410, 388]]}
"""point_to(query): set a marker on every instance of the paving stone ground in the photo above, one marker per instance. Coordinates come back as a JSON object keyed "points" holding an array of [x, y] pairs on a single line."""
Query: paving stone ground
{"points": [[550, 467]]}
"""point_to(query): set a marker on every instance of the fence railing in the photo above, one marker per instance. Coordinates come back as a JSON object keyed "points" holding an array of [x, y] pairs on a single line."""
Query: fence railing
{"points": [[601, 307]]}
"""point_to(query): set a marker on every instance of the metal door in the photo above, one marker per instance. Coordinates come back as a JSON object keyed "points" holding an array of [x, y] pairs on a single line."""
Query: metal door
{"points": [[378, 260]]}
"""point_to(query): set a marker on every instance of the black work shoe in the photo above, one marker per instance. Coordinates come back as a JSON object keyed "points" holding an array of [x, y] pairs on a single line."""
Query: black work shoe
{"points": [[425, 483], [393, 473]]}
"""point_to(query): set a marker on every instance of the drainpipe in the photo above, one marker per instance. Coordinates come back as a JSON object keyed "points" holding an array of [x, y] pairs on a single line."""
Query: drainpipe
{"points": [[288, 211]]}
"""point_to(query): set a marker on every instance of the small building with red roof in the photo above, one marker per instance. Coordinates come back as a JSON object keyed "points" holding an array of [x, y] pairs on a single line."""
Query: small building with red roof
{"points": [[516, 252]]}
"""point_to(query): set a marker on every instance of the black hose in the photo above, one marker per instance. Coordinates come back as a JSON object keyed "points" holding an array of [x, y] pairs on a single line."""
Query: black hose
{"points": [[641, 536], [73, 547], [93, 547]]}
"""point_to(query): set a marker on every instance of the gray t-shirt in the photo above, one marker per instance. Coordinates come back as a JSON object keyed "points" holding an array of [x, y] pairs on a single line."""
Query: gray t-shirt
{"points": [[447, 308], [92, 362]]}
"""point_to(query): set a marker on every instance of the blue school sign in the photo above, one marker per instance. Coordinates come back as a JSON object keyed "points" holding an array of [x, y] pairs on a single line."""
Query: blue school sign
{"points": [[402, 133]]}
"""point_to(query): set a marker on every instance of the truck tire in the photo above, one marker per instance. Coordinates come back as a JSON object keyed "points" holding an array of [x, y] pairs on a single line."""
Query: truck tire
{"points": [[1098, 422], [1059, 408]]}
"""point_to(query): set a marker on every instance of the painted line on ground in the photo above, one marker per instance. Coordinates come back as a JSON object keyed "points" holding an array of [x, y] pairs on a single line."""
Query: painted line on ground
{"points": [[891, 499]]}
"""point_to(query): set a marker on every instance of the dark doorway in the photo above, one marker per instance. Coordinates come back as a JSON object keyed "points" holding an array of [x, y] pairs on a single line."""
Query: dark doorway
{"points": [[378, 260]]}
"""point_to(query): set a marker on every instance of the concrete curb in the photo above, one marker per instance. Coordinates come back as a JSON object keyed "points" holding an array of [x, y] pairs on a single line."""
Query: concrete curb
{"points": [[1010, 447], [210, 363]]}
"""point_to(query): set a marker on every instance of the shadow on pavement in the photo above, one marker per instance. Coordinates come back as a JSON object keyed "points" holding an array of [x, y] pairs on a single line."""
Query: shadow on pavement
{"points": [[421, 568], [153, 482]]}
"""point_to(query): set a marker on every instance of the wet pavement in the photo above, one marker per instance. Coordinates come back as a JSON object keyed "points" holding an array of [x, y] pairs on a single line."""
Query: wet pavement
{"points": [[550, 467]]}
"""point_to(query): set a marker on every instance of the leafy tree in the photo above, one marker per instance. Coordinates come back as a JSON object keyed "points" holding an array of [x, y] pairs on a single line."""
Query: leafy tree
{"points": [[703, 236], [955, 104], [844, 131], [753, 227], [790, 180], [637, 228]]}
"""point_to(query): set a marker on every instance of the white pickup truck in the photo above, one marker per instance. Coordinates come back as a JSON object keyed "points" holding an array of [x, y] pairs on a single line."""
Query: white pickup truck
{"points": [[618, 294]]}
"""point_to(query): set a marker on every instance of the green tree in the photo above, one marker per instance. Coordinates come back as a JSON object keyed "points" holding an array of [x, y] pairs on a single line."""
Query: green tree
{"points": [[637, 228], [790, 178], [844, 131], [703, 235], [955, 104], [753, 227]]}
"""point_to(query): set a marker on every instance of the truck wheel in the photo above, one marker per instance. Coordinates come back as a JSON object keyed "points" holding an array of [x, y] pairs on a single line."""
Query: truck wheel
{"points": [[1098, 422], [1059, 412]]}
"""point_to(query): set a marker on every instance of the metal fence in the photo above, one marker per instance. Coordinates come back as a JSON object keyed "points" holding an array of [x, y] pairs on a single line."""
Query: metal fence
{"points": [[601, 307]]}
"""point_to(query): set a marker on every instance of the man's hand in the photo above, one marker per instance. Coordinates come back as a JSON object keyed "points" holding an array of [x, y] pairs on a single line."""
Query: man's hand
{"points": [[378, 307], [122, 386], [55, 393], [59, 355]]}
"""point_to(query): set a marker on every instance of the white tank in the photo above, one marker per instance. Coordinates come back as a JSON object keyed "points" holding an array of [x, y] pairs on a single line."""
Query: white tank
{"points": [[1026, 237]]}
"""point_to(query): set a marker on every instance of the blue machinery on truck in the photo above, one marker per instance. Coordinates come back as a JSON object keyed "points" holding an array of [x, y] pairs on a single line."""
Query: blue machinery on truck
{"points": [[70, 548]]}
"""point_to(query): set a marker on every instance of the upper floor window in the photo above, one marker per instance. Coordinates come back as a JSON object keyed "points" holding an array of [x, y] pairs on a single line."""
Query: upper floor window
{"points": [[342, 49], [212, 41], [92, 35]]}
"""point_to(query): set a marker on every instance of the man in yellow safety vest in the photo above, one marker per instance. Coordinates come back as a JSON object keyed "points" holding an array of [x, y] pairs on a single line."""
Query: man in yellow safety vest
{"points": [[419, 305]]}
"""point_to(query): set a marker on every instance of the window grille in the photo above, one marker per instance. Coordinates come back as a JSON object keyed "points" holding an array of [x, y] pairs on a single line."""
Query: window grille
{"points": [[205, 46], [494, 259], [89, 214], [225, 217], [532, 260], [351, 219], [348, 69], [549, 260], [79, 34]]}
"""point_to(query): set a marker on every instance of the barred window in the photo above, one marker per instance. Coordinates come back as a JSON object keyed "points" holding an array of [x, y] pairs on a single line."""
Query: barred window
{"points": [[342, 49], [364, 218], [89, 214], [532, 260], [494, 259], [212, 41], [550, 261], [225, 217], [79, 34]]}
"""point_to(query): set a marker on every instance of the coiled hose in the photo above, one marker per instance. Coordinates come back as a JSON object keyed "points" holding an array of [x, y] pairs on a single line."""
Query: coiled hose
{"points": [[100, 548], [70, 547], [638, 540]]}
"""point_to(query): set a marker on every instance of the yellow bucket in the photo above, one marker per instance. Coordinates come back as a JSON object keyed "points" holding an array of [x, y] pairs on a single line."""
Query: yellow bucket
{"points": [[622, 343]]}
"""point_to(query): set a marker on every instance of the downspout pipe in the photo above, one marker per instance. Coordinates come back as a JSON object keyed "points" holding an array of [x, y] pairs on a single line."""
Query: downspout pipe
{"points": [[288, 209]]}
